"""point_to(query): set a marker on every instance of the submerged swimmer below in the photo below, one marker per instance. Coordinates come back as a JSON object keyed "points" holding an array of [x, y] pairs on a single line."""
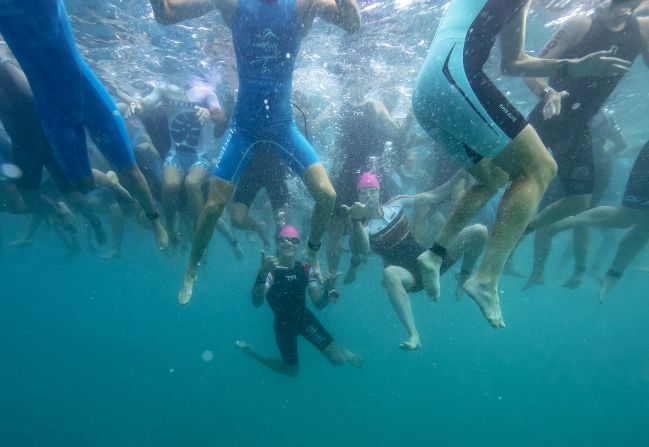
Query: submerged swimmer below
{"points": [[283, 281], [384, 229]]}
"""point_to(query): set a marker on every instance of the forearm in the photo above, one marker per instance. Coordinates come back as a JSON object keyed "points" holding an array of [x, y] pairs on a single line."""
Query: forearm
{"points": [[168, 12], [359, 241], [258, 291], [526, 65]]}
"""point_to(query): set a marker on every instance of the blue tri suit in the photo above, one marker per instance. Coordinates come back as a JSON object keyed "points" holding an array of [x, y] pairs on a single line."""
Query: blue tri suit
{"points": [[68, 95], [266, 39]]}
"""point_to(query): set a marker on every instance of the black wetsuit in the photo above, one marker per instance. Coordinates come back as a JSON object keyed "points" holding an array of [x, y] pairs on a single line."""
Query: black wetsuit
{"points": [[568, 134], [287, 298], [636, 194], [30, 148], [361, 135]]}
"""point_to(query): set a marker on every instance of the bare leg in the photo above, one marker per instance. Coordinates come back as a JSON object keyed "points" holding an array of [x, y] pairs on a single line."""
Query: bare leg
{"points": [[490, 179], [136, 184], [219, 193], [116, 219], [581, 257], [334, 241], [531, 169], [560, 209], [194, 191], [273, 364], [628, 249], [170, 199], [225, 230], [318, 184], [241, 219], [396, 280], [468, 245]]}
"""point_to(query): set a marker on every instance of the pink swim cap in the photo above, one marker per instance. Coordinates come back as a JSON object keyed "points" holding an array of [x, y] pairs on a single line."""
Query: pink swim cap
{"points": [[368, 181], [289, 231]]}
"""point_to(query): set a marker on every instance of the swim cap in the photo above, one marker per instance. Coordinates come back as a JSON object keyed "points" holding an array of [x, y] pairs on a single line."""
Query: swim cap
{"points": [[368, 181], [288, 231]]}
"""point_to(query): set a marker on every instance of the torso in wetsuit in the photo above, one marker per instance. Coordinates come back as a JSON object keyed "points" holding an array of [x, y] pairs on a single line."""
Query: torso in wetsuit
{"points": [[287, 293], [587, 95], [266, 41]]}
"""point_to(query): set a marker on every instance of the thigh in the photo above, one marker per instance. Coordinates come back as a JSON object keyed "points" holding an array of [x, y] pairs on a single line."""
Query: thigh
{"points": [[295, 150], [314, 332], [286, 339], [236, 153]]}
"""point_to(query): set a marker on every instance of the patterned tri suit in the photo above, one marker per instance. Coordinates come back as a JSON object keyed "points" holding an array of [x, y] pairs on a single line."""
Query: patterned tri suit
{"points": [[266, 39]]}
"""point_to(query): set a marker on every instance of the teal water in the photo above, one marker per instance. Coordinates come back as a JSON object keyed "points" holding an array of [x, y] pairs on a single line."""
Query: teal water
{"points": [[99, 354]]}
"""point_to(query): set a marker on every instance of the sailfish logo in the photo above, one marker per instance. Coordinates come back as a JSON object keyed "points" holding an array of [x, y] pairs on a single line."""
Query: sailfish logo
{"points": [[267, 43]]}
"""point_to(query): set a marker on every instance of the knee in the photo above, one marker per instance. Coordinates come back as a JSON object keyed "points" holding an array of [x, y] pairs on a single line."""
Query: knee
{"points": [[238, 218], [193, 186], [325, 193], [479, 234], [390, 277], [171, 186], [546, 170], [214, 208]]}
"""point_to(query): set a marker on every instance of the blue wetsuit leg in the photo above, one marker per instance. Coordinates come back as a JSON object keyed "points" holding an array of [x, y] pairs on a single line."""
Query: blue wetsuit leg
{"points": [[295, 149], [67, 94]]}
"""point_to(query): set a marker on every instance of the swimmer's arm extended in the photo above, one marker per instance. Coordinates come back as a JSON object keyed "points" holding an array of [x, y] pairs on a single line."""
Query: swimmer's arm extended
{"points": [[342, 13], [566, 37], [359, 240], [515, 62], [168, 12]]}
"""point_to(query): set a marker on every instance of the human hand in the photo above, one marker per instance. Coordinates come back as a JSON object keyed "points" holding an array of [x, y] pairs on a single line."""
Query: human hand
{"points": [[552, 106], [356, 211], [269, 264], [599, 64]]}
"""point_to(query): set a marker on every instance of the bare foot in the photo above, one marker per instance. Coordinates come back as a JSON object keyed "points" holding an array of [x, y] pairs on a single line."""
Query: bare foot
{"points": [[185, 293], [412, 344], [160, 234], [244, 346], [112, 255], [461, 279], [354, 360], [608, 282], [487, 299], [535, 279], [350, 276], [574, 281], [20, 243], [429, 264]]}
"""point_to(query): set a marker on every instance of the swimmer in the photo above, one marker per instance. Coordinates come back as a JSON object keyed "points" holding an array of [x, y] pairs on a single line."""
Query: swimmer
{"points": [[633, 213], [480, 127], [283, 282], [263, 115], [384, 229], [563, 116], [70, 99]]}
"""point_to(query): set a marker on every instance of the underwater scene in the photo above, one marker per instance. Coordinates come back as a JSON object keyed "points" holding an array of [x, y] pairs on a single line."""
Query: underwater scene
{"points": [[324, 223]]}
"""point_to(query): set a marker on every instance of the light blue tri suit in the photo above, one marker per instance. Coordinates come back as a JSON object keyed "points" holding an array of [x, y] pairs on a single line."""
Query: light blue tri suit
{"points": [[68, 95], [266, 39], [453, 99]]}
